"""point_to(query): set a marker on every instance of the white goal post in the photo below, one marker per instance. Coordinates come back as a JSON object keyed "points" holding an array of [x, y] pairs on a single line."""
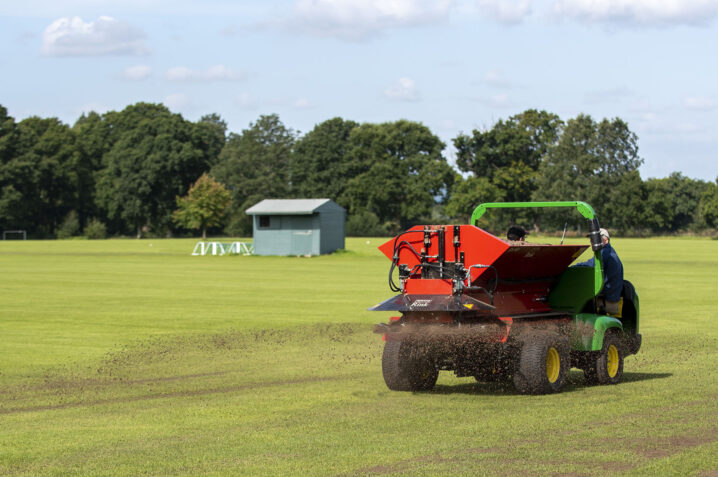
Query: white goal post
{"points": [[18, 232], [220, 248]]}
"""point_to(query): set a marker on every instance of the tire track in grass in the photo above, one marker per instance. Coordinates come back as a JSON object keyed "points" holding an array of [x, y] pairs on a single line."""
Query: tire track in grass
{"points": [[497, 459], [173, 394], [68, 388], [660, 447], [81, 383]]}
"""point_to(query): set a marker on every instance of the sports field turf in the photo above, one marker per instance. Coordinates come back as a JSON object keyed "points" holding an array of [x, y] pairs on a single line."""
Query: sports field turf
{"points": [[131, 357]]}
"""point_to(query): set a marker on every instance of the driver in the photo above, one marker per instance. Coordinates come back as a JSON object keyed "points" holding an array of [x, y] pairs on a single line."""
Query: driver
{"points": [[516, 233], [610, 297]]}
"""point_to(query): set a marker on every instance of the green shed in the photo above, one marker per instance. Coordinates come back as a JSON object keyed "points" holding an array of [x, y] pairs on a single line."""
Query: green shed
{"points": [[297, 226]]}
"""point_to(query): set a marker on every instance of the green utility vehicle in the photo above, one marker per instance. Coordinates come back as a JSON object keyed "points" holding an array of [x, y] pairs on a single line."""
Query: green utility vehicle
{"points": [[482, 306]]}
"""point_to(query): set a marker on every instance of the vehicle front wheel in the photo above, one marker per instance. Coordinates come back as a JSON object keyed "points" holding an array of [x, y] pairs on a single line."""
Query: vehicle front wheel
{"points": [[606, 366], [406, 366]]}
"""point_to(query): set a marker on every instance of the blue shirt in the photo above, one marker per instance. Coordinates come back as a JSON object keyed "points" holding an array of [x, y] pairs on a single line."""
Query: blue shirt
{"points": [[612, 273]]}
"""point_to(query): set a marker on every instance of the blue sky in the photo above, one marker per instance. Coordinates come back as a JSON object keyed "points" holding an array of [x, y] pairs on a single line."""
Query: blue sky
{"points": [[454, 65]]}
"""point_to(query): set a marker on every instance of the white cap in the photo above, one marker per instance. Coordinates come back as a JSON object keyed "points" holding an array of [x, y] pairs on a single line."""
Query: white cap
{"points": [[604, 233]]}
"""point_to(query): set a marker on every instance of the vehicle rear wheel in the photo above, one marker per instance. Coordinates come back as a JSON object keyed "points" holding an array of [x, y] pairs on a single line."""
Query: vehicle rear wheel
{"points": [[606, 366], [543, 364], [408, 367]]}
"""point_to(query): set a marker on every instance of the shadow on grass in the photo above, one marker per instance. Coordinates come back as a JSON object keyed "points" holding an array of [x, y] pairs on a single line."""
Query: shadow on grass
{"points": [[634, 377], [574, 382]]}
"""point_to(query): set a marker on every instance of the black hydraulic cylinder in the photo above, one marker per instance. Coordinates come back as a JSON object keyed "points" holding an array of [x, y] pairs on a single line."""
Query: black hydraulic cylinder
{"points": [[595, 235]]}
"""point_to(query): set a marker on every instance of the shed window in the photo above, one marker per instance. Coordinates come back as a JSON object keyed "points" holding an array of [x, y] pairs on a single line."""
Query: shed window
{"points": [[263, 221]]}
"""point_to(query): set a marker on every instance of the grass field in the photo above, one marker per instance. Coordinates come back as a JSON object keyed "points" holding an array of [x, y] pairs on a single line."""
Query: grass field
{"points": [[131, 357]]}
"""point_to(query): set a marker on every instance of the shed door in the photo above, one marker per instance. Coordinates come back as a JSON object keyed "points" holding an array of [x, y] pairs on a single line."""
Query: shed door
{"points": [[302, 235]]}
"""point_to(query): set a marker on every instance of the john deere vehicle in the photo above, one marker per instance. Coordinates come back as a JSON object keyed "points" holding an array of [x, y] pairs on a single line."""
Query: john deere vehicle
{"points": [[481, 306]]}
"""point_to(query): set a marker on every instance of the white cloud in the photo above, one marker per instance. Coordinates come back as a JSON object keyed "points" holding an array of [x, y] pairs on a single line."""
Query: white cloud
{"points": [[509, 12], [220, 8], [176, 101], [302, 103], [610, 95], [104, 36], [246, 101], [362, 19], [496, 79], [403, 90], [699, 103], [249, 102], [215, 73], [500, 101], [137, 72], [497, 101], [639, 12]]}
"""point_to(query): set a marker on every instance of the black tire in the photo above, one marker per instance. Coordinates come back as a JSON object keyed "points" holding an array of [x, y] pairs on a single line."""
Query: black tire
{"points": [[406, 367], [543, 364], [606, 366]]}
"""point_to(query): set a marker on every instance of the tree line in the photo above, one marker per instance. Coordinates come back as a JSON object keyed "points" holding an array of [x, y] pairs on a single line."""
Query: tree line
{"points": [[128, 173]]}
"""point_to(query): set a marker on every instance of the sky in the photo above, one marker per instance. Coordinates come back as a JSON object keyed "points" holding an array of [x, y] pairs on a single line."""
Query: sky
{"points": [[453, 65]]}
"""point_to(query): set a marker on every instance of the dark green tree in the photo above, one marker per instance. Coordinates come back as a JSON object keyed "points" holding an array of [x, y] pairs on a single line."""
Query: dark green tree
{"points": [[673, 203], [319, 166], [626, 207], [92, 135], [38, 175], [467, 193], [397, 172], [508, 155], [254, 165], [211, 136], [155, 156], [588, 163], [8, 136], [709, 204], [10, 197]]}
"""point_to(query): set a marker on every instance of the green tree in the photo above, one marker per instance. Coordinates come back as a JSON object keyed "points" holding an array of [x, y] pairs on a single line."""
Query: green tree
{"points": [[709, 204], [626, 207], [508, 155], [154, 157], [365, 224], [8, 136], [204, 205], [255, 165], [95, 229], [467, 194], [38, 174], [69, 227], [10, 197], [397, 172], [93, 140], [319, 166], [211, 136], [588, 163], [673, 203]]}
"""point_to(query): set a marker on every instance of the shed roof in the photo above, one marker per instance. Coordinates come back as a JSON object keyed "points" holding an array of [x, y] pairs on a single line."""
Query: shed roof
{"points": [[292, 206]]}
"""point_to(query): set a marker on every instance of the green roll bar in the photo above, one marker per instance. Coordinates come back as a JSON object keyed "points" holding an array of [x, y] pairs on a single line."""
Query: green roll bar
{"points": [[582, 207]]}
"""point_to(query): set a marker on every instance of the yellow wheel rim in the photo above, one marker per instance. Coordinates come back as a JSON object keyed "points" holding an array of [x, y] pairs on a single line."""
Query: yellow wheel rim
{"points": [[553, 365], [612, 361]]}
